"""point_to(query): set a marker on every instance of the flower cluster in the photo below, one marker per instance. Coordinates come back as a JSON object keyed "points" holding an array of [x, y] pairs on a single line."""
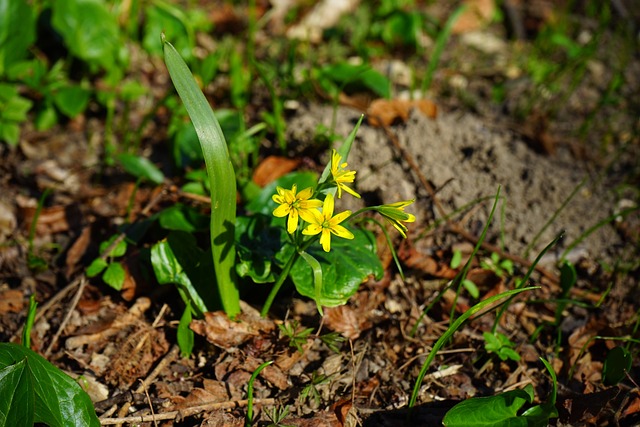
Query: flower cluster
{"points": [[319, 214]]}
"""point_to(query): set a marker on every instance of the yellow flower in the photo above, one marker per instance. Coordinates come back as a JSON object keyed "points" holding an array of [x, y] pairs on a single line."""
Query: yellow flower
{"points": [[324, 222], [395, 214], [341, 175], [295, 205]]}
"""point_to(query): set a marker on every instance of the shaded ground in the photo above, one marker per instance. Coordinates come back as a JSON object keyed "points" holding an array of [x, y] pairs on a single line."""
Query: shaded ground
{"points": [[116, 339]]}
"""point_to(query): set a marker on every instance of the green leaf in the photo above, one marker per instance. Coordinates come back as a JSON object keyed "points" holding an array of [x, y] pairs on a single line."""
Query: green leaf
{"points": [[17, 403], [221, 176], [344, 73], [258, 241], [114, 275], [89, 30], [96, 267], [119, 250], [185, 335], [568, 277], [497, 411], [471, 288], [179, 261], [58, 400], [344, 268], [17, 31], [141, 167], [183, 218], [9, 132], [616, 365], [71, 100]]}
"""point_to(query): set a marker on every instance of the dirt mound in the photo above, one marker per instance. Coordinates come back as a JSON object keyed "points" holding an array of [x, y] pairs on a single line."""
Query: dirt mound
{"points": [[465, 160]]}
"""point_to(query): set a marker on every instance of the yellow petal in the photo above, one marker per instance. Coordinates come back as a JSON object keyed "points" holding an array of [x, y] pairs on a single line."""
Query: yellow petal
{"points": [[312, 230], [327, 207], [282, 210], [338, 218], [340, 231], [349, 190], [325, 240], [292, 223]]}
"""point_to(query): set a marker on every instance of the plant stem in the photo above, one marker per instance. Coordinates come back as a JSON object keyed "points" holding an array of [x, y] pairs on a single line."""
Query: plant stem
{"points": [[278, 284]]}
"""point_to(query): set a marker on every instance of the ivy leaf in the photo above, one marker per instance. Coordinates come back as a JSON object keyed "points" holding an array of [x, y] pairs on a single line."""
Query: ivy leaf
{"points": [[16, 406], [58, 400], [344, 268], [499, 411]]}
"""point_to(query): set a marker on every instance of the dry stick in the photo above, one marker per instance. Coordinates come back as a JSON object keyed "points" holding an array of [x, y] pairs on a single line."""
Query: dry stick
{"points": [[452, 226], [67, 317], [187, 412], [82, 278]]}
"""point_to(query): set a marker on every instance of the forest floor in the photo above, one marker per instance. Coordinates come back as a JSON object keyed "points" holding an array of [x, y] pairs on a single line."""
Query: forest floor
{"points": [[452, 156]]}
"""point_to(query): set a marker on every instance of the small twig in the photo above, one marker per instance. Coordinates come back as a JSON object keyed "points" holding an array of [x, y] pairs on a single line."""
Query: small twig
{"points": [[187, 412], [168, 358], [67, 317]]}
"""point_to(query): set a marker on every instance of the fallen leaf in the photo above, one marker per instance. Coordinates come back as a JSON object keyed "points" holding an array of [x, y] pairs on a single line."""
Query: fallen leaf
{"points": [[385, 112], [346, 321], [77, 249], [11, 301], [478, 14], [272, 168], [218, 329]]}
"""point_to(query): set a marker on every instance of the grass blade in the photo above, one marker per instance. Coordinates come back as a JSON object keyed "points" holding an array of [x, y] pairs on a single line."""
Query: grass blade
{"points": [[221, 176]]}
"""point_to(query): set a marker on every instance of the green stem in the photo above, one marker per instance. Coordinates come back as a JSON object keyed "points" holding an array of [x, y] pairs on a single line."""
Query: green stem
{"points": [[283, 275], [278, 284]]}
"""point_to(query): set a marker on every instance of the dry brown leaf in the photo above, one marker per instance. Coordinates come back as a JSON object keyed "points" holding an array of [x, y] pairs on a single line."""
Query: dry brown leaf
{"points": [[346, 321], [477, 15], [272, 168], [271, 373], [413, 258], [51, 220], [212, 391], [385, 112], [78, 249], [11, 301], [218, 329]]}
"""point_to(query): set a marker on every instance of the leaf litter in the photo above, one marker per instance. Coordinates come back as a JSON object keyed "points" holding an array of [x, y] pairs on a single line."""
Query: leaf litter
{"points": [[125, 342]]}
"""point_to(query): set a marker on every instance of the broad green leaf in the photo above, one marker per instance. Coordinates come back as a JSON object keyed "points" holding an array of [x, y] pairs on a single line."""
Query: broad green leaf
{"points": [[179, 261], [185, 335], [114, 275], [71, 100], [495, 411], [59, 400], [221, 176], [96, 267], [344, 268], [17, 31], [616, 365], [17, 402], [183, 218], [141, 167], [258, 241], [89, 30]]}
